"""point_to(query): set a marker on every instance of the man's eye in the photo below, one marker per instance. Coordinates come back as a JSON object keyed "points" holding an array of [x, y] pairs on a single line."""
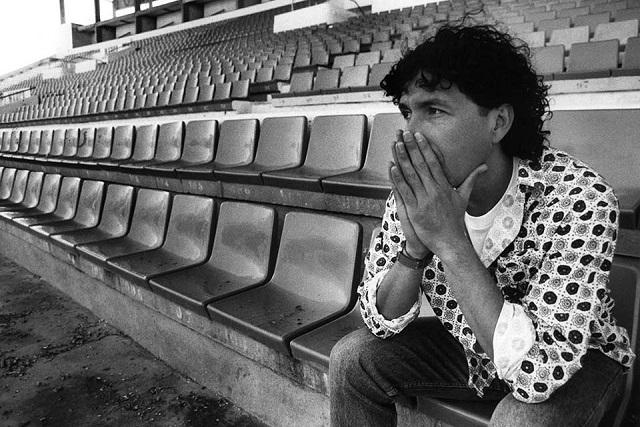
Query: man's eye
{"points": [[433, 111], [406, 114]]}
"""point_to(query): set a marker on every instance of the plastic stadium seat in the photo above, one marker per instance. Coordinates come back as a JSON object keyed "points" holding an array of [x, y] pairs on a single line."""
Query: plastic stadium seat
{"points": [[573, 12], [391, 55], [354, 76], [248, 75], [592, 21], [236, 147], [301, 82], [368, 58], [282, 73], [631, 61], [548, 60], [240, 259], [593, 59], [320, 57], [281, 145], [151, 100], [222, 92], [122, 146], [34, 144], [609, 7], [14, 142], [18, 189], [240, 89], [521, 28], [620, 30], [57, 143], [326, 79], [323, 250], [163, 98], [6, 184], [168, 146], [569, 36], [335, 147], [29, 197], [46, 198], [535, 39], [114, 220], [585, 133], [65, 207], [351, 46], [145, 146], [264, 74], [46, 140], [206, 93], [553, 24], [87, 212], [186, 243], [146, 232], [377, 73], [373, 179], [101, 147], [343, 61], [627, 14], [190, 95], [6, 138]]}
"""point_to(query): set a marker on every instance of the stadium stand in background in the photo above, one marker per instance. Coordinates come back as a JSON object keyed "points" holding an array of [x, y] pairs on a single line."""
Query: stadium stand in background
{"points": [[210, 186]]}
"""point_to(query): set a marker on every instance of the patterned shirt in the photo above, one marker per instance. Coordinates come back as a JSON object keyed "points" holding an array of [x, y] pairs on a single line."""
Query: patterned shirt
{"points": [[550, 251]]}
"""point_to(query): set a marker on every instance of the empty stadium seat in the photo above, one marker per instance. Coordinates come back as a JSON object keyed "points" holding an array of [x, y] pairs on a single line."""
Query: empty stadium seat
{"points": [[18, 188], [186, 243], [548, 60], [377, 73], [592, 20], [326, 79], [29, 197], [568, 36], [86, 215], [535, 39], [47, 199], [368, 58], [593, 59], [619, 30], [631, 61], [101, 147], [343, 61], [114, 219], [335, 147], [281, 145], [6, 184], [301, 82], [144, 148], [322, 249], [46, 140], [147, 230], [354, 77], [65, 207], [240, 259], [373, 179], [121, 148], [168, 146], [236, 147]]}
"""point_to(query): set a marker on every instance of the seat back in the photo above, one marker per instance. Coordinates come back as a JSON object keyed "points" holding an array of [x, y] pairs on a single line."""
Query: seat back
{"points": [[86, 142], [240, 89], [14, 142], [535, 39], [326, 79], [354, 76], [117, 209], [19, 186], [200, 141], [67, 197], [23, 145], [46, 140], [49, 193], [301, 81], [6, 185], [619, 30], [593, 56], [150, 217], [391, 55], [383, 133], [146, 140], [34, 142], [568, 36], [243, 240], [89, 203], [169, 144], [70, 148], [343, 61], [521, 28], [378, 72], [57, 143], [322, 249], [206, 93], [32, 192], [336, 143], [282, 72], [282, 142], [122, 142], [573, 12], [189, 230], [6, 141], [102, 143], [547, 60], [190, 95], [592, 20], [627, 14], [553, 24], [368, 58], [222, 91], [632, 54], [237, 142]]}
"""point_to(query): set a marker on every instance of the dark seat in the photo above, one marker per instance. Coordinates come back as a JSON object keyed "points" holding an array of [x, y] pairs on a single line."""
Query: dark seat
{"points": [[65, 206], [87, 212], [335, 147], [147, 229], [186, 243], [597, 138], [240, 259], [144, 148], [236, 147], [122, 147], [114, 220], [281, 145], [373, 179], [47, 199], [313, 282], [199, 146]]}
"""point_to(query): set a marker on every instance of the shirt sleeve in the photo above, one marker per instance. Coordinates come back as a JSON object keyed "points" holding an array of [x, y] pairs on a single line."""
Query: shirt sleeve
{"points": [[381, 256], [568, 296], [512, 339]]}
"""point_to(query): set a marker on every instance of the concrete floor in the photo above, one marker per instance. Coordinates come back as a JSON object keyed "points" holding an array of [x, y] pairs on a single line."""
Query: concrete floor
{"points": [[62, 366]]}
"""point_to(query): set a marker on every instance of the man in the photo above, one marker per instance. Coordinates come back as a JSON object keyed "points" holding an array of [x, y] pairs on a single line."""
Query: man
{"points": [[511, 242]]}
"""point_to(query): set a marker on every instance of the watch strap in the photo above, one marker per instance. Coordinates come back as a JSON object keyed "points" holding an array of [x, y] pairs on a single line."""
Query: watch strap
{"points": [[413, 263]]}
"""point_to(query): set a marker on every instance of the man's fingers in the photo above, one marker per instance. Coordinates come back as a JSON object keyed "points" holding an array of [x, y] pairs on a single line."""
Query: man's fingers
{"points": [[434, 159], [418, 160], [400, 185], [467, 186], [408, 170]]}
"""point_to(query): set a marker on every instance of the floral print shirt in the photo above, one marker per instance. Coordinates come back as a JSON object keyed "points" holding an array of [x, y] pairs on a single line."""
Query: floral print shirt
{"points": [[550, 250]]}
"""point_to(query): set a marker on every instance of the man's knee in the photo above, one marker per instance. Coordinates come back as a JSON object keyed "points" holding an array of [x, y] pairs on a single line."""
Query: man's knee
{"points": [[346, 354]]}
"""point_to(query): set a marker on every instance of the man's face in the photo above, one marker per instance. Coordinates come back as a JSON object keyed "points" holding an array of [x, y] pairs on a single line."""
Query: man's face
{"points": [[453, 123]]}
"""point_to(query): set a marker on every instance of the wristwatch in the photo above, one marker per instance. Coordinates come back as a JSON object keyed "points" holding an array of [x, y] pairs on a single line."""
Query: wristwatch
{"points": [[413, 263]]}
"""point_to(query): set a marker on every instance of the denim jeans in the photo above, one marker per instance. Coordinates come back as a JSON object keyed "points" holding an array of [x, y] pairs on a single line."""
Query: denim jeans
{"points": [[368, 375]]}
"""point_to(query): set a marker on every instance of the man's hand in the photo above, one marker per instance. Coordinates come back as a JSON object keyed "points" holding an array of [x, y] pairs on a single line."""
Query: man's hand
{"points": [[429, 208]]}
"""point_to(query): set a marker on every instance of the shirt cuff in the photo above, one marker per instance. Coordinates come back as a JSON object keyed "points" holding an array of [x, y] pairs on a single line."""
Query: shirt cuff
{"points": [[512, 339], [392, 325]]}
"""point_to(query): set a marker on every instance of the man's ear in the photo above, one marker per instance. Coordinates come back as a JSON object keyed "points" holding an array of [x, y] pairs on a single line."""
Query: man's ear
{"points": [[502, 120]]}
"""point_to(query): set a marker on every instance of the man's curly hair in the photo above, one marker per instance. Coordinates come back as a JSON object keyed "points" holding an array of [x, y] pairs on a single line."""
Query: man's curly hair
{"points": [[491, 68]]}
